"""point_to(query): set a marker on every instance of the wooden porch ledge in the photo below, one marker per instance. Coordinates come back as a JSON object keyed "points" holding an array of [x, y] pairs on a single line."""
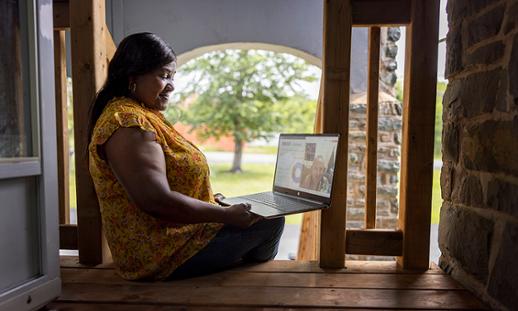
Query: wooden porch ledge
{"points": [[273, 285]]}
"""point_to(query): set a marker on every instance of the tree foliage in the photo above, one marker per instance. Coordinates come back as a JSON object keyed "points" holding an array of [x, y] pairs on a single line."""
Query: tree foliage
{"points": [[247, 94]]}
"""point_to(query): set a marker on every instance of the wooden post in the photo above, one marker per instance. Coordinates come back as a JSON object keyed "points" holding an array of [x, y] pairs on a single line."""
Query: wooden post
{"points": [[88, 26], [336, 74], [372, 128], [60, 72], [418, 133]]}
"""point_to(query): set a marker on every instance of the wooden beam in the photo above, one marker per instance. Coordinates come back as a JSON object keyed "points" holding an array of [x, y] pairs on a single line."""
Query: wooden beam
{"points": [[380, 12], [372, 128], [109, 44], [336, 75], [61, 14], [374, 242], [68, 236], [420, 82], [60, 71], [88, 26]]}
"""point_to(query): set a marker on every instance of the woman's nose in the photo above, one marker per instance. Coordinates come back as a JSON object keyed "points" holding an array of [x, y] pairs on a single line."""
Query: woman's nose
{"points": [[169, 86]]}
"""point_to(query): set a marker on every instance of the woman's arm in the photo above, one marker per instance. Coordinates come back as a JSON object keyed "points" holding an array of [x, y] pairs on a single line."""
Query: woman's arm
{"points": [[138, 162]]}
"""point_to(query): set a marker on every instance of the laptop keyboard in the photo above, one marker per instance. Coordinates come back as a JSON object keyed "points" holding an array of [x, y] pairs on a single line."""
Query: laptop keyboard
{"points": [[277, 201]]}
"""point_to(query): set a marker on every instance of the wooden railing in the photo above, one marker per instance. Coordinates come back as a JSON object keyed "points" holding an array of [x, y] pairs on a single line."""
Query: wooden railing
{"points": [[92, 47], [410, 241]]}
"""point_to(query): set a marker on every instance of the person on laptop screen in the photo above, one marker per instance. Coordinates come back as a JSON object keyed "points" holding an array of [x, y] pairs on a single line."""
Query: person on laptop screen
{"points": [[314, 179]]}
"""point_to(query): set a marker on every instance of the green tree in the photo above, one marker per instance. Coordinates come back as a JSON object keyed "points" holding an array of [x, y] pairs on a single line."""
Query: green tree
{"points": [[247, 94]]}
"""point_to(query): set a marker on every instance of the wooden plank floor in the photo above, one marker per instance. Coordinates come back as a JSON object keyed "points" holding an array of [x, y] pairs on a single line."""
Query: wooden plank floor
{"points": [[276, 285]]}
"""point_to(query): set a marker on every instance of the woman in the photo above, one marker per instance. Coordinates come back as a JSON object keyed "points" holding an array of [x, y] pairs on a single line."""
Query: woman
{"points": [[159, 215], [313, 180]]}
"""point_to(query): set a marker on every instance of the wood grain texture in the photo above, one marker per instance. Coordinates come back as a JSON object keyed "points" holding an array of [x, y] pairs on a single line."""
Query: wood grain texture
{"points": [[287, 266], [60, 80], [68, 236], [89, 66], [234, 278], [252, 296], [371, 170], [420, 82], [380, 12], [374, 242], [336, 74], [61, 14]]}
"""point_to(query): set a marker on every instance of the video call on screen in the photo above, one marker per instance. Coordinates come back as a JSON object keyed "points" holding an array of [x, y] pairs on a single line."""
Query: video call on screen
{"points": [[306, 164]]}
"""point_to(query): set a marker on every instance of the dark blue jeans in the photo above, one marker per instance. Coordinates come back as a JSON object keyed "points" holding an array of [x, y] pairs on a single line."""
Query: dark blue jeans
{"points": [[231, 246]]}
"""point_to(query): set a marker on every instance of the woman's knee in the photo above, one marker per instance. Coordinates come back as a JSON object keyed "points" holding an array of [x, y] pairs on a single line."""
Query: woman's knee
{"points": [[278, 225]]}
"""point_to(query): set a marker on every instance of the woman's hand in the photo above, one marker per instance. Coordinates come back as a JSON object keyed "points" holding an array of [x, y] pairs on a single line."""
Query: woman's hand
{"points": [[239, 215], [219, 197]]}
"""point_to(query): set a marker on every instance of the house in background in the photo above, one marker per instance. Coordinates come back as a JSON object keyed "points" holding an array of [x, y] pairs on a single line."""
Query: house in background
{"points": [[478, 226]]}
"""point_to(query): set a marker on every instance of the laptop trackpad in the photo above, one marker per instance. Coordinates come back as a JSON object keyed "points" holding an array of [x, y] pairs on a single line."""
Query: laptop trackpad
{"points": [[257, 208]]}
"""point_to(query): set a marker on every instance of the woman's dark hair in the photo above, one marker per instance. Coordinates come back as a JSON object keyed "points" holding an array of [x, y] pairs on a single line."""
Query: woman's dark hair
{"points": [[136, 54]]}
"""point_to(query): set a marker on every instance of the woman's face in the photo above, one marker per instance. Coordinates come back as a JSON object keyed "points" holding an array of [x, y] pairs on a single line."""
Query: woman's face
{"points": [[318, 168], [154, 88]]}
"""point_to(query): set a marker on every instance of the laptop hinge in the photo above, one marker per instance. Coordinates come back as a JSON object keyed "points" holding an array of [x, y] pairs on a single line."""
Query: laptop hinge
{"points": [[299, 198]]}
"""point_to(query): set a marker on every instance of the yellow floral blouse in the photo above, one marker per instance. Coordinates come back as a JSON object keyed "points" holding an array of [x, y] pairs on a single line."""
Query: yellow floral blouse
{"points": [[142, 246]]}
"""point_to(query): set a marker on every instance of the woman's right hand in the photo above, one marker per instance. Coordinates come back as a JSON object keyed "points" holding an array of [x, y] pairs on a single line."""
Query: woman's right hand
{"points": [[239, 215]]}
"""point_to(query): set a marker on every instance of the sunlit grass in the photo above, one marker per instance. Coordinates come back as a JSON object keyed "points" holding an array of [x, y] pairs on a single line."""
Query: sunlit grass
{"points": [[436, 196], [259, 177]]}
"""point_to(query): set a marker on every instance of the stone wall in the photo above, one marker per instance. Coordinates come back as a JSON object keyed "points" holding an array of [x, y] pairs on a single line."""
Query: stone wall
{"points": [[389, 144], [478, 231]]}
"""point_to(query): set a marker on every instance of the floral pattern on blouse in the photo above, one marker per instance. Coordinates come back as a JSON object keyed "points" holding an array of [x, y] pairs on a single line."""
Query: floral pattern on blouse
{"points": [[142, 246]]}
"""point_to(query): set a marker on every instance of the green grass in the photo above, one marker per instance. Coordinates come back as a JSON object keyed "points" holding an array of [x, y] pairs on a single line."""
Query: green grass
{"points": [[258, 177], [248, 149], [436, 196]]}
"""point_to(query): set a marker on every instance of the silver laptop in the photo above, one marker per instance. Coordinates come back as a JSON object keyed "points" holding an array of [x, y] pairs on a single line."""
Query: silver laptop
{"points": [[303, 177]]}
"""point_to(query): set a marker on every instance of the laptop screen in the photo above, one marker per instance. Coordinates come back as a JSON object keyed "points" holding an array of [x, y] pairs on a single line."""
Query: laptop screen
{"points": [[306, 163]]}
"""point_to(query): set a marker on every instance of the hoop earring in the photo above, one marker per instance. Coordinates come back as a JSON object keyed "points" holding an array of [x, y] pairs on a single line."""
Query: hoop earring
{"points": [[133, 87]]}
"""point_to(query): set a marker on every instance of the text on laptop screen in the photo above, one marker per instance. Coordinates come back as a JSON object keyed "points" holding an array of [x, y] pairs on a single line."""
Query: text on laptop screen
{"points": [[306, 163]]}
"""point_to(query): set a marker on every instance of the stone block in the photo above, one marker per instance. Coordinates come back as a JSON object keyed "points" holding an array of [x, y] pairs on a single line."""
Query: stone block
{"points": [[386, 223], [388, 166], [503, 281], [454, 52], [447, 173], [491, 146], [389, 124], [511, 21], [466, 236], [387, 190], [456, 11], [502, 196], [397, 138], [485, 55], [471, 191], [512, 70], [394, 207], [480, 92], [384, 137], [357, 137], [451, 102], [358, 108], [501, 96], [475, 6], [450, 142], [355, 214], [354, 224], [486, 26]]}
